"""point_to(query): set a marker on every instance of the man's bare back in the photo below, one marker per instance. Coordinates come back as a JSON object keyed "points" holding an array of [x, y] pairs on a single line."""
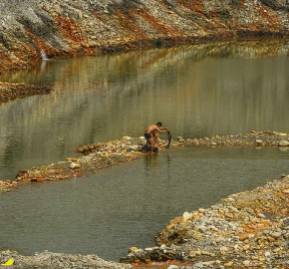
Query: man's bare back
{"points": [[152, 129], [152, 134]]}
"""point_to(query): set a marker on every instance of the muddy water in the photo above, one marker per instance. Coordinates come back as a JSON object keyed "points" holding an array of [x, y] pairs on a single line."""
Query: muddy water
{"points": [[116, 209], [106, 97]]}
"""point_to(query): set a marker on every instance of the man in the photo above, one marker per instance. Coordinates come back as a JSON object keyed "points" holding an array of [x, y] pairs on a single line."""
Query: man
{"points": [[152, 136]]}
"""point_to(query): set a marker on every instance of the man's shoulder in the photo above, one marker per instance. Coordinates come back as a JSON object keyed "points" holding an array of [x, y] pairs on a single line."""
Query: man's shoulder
{"points": [[152, 128]]}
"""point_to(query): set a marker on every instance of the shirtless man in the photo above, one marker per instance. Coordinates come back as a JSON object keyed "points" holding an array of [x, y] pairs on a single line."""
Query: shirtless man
{"points": [[152, 135]]}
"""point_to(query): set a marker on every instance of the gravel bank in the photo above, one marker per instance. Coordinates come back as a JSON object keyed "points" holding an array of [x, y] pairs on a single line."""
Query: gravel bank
{"points": [[102, 155], [245, 230], [48, 260]]}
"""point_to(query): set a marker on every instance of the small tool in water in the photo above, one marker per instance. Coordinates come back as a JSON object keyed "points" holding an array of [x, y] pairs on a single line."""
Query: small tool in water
{"points": [[9, 262], [169, 139]]}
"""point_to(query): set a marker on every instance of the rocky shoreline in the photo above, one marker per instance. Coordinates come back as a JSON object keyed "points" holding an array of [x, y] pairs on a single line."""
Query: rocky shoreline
{"points": [[50, 260], [245, 230], [102, 155], [12, 91]]}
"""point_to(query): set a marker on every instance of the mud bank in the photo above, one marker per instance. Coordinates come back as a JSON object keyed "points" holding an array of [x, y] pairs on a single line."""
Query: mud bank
{"points": [[245, 230], [102, 155], [58, 260], [12, 91], [32, 28]]}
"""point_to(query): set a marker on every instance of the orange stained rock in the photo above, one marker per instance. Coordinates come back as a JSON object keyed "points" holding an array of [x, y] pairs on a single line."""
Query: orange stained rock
{"points": [[157, 24], [197, 5], [269, 17], [41, 44], [70, 30], [128, 22], [257, 227]]}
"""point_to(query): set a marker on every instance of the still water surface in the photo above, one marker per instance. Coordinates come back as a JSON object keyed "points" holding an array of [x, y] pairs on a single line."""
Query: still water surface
{"points": [[106, 97], [115, 209]]}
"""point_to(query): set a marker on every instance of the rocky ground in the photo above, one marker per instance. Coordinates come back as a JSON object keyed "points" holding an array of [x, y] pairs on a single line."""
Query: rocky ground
{"points": [[244, 230], [30, 29], [11, 91], [50, 260], [102, 155]]}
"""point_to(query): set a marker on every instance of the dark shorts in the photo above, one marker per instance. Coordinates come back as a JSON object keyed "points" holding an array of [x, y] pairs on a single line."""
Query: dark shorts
{"points": [[147, 136]]}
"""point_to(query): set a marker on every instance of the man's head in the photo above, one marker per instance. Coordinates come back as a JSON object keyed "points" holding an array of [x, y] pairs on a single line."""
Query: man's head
{"points": [[159, 124]]}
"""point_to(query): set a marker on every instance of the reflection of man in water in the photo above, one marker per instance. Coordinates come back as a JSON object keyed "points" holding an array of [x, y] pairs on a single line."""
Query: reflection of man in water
{"points": [[151, 135]]}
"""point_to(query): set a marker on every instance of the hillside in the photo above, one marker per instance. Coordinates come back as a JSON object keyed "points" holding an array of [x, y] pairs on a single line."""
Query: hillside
{"points": [[70, 27]]}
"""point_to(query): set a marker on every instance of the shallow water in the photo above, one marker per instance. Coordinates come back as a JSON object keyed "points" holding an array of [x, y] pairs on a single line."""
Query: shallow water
{"points": [[106, 97], [115, 209]]}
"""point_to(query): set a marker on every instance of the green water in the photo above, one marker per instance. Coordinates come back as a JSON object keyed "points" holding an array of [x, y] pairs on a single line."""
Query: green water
{"points": [[106, 97], [194, 91], [127, 205]]}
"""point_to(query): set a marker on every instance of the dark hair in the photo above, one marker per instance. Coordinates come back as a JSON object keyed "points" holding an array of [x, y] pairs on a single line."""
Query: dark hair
{"points": [[159, 124]]}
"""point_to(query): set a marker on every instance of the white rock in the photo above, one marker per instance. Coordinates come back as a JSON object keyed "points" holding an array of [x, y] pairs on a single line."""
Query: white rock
{"points": [[142, 139], [180, 139], [224, 249], [74, 165], [259, 142], [128, 138], [133, 148], [173, 267], [246, 263], [187, 216], [283, 143]]}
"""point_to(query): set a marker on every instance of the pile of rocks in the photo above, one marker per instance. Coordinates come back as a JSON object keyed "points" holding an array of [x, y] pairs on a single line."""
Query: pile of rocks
{"points": [[7, 185], [50, 260], [126, 144], [248, 229]]}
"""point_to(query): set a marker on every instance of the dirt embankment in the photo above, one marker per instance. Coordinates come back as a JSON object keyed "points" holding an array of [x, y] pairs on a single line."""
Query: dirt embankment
{"points": [[30, 28]]}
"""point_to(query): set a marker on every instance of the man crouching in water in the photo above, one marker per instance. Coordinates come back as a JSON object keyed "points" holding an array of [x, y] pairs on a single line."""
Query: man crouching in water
{"points": [[152, 137]]}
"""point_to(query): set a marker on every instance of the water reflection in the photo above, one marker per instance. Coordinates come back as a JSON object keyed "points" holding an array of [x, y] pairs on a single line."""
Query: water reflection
{"points": [[195, 90]]}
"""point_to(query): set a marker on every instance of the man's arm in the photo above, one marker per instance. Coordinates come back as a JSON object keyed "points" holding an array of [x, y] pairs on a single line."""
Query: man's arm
{"points": [[162, 129]]}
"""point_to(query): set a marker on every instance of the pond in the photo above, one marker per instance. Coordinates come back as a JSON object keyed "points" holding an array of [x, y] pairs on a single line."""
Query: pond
{"points": [[127, 205], [196, 91], [106, 97]]}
